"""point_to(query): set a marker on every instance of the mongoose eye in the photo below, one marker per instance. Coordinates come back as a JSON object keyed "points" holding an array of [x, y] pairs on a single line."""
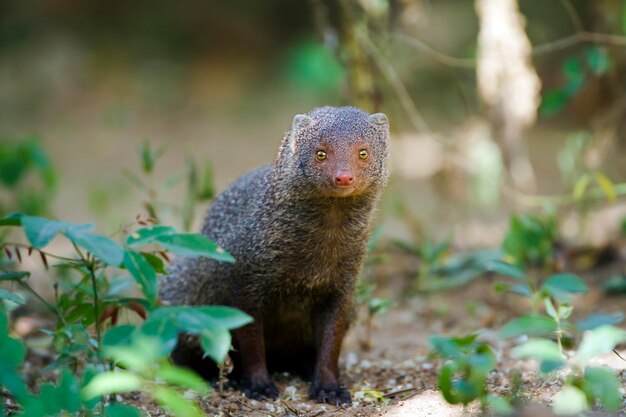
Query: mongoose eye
{"points": [[321, 155], [363, 154]]}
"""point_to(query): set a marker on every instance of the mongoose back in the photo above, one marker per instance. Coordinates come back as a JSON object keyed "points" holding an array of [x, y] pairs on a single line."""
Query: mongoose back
{"points": [[298, 231]]}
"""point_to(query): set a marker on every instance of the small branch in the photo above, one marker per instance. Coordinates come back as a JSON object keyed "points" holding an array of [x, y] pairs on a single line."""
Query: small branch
{"points": [[24, 246], [400, 391], [573, 15], [396, 83], [50, 307], [546, 48]]}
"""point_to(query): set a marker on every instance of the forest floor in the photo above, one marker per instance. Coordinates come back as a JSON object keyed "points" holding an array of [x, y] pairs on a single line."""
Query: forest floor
{"points": [[395, 377]]}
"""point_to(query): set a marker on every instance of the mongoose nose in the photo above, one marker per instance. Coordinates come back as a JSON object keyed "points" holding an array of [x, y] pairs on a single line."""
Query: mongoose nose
{"points": [[344, 178]]}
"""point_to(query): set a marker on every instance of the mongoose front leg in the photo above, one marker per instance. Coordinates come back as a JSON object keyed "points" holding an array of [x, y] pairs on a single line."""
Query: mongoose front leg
{"points": [[329, 327], [256, 382]]}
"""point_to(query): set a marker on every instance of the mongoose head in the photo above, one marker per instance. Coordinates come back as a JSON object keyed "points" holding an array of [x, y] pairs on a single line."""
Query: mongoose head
{"points": [[337, 151]]}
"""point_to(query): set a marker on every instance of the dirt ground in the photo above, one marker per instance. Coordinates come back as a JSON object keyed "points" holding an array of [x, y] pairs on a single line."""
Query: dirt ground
{"points": [[397, 378]]}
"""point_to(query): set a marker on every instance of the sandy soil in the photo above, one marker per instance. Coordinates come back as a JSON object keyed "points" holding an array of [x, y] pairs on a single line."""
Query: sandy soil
{"points": [[397, 378]]}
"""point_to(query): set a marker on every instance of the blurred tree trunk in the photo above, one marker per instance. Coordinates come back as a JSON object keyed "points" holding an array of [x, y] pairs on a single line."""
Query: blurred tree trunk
{"points": [[508, 84], [358, 19]]}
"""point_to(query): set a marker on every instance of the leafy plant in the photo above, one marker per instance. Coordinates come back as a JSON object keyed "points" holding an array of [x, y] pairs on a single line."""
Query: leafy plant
{"points": [[584, 386], [23, 159], [439, 269], [530, 240], [199, 186], [89, 295], [463, 376], [576, 71]]}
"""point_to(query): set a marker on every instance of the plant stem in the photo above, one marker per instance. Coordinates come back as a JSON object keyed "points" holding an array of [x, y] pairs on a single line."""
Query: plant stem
{"points": [[50, 255], [50, 307], [96, 308]]}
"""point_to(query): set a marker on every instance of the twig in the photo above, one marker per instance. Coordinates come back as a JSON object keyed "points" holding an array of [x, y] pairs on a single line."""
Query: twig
{"points": [[50, 255], [618, 355], [549, 47], [50, 307], [398, 392], [571, 11], [289, 407], [396, 83]]}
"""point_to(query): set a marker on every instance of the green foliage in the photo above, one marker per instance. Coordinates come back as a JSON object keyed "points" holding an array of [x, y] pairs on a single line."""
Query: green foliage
{"points": [[576, 71], [529, 243], [87, 297], [313, 67], [440, 270], [530, 239], [463, 376], [199, 186], [20, 159]]}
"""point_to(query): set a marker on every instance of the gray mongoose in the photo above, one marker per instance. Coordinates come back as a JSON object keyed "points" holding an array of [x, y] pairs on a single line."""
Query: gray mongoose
{"points": [[298, 230]]}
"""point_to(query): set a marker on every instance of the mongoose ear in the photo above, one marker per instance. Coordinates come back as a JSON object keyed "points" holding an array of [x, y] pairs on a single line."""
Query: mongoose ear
{"points": [[301, 120], [379, 119], [289, 141]]}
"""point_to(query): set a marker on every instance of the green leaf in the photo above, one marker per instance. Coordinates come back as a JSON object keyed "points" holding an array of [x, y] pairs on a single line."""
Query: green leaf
{"points": [[11, 381], [182, 377], [570, 401], [13, 219], [575, 74], [500, 405], [147, 157], [67, 393], [112, 382], [607, 187], [521, 289], [506, 269], [532, 325], [176, 403], [14, 276], [445, 382], [548, 366], [192, 244], [553, 101], [12, 351], [599, 341], [148, 235], [228, 317], [40, 231], [600, 319], [602, 384], [581, 185], [540, 349], [103, 248], [165, 331], [12, 296], [550, 309], [118, 335], [156, 262], [121, 410], [564, 283], [215, 343], [598, 59], [143, 273]]}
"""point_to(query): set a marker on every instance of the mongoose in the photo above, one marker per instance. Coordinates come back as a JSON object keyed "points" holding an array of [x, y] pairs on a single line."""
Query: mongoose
{"points": [[298, 231]]}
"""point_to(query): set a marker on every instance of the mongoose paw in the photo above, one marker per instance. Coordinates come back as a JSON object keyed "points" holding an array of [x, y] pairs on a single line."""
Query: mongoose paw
{"points": [[260, 391], [335, 396]]}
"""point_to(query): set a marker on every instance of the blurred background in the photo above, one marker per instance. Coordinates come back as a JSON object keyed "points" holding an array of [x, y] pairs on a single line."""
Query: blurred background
{"points": [[496, 106]]}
